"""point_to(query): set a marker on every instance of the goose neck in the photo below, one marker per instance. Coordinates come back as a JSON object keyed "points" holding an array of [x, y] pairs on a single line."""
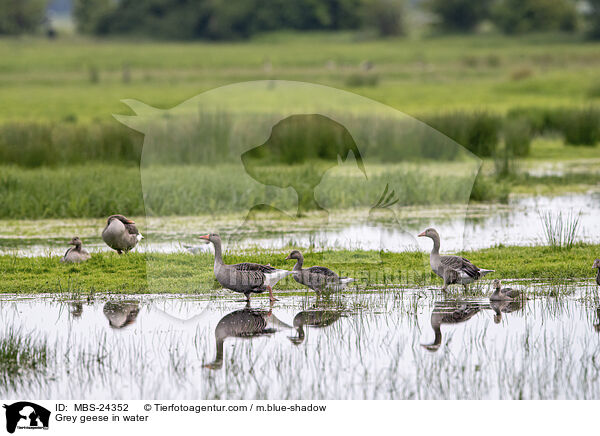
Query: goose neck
{"points": [[436, 245], [299, 263], [218, 253]]}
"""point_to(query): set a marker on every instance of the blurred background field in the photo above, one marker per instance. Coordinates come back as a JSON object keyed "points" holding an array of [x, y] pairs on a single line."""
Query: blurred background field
{"points": [[516, 83]]}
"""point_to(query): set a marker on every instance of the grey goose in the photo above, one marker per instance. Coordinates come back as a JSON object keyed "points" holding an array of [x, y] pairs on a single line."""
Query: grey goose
{"points": [[75, 254], [596, 265], [452, 269], [317, 278], [121, 234], [247, 278]]}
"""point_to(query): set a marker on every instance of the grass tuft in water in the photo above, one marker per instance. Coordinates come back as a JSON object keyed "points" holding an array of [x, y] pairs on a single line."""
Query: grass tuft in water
{"points": [[560, 230]]}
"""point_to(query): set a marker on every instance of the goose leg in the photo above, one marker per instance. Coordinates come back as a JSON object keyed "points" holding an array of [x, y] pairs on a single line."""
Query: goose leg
{"points": [[271, 298]]}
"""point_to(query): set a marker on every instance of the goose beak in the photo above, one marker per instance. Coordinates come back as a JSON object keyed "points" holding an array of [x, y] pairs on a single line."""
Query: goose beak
{"points": [[130, 222], [205, 237], [288, 258], [422, 234]]}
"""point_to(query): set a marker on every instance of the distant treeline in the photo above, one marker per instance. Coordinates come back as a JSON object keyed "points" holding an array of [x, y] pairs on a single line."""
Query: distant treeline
{"points": [[230, 19], [486, 134], [234, 19]]}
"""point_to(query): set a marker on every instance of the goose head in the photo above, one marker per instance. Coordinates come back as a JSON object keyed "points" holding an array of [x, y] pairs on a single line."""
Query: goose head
{"points": [[75, 241], [596, 263], [121, 218], [430, 233], [295, 254], [496, 284], [212, 237]]}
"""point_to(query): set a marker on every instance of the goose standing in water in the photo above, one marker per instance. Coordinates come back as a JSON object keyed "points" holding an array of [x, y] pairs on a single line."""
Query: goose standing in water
{"points": [[317, 278], [77, 253], [596, 265], [121, 234], [243, 323], [246, 278], [504, 294], [452, 269]]}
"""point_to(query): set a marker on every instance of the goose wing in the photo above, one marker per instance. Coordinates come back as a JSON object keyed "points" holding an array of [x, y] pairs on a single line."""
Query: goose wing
{"points": [[132, 229], [66, 253], [322, 271], [249, 266], [460, 265], [510, 292], [254, 273]]}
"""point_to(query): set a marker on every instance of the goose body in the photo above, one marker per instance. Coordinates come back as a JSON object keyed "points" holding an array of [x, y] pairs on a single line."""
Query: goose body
{"points": [[504, 294], [247, 278], [243, 323], [452, 269], [597, 266], [121, 234], [77, 253], [317, 278]]}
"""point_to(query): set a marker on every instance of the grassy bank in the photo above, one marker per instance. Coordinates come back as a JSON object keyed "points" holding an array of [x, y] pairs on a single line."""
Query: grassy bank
{"points": [[184, 273]]}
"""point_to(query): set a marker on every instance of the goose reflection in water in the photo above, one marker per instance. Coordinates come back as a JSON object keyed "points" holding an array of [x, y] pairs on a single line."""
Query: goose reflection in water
{"points": [[596, 325], [500, 307], [244, 323], [319, 318], [76, 309], [451, 312], [121, 313]]}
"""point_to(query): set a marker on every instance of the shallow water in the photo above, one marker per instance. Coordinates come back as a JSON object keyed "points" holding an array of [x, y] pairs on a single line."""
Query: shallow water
{"points": [[360, 345], [518, 223]]}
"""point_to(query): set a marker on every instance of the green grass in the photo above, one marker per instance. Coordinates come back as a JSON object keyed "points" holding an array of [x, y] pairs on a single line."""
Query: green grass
{"points": [[184, 273], [53, 80]]}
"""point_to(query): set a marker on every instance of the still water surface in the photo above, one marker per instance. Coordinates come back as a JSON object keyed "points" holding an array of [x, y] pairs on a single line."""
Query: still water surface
{"points": [[394, 344]]}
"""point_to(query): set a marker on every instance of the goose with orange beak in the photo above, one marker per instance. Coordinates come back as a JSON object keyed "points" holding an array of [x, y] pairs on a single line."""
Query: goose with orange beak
{"points": [[452, 269], [247, 278]]}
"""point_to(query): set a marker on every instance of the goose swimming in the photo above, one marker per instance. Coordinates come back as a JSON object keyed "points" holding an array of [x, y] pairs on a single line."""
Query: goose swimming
{"points": [[452, 269], [77, 253], [317, 278], [246, 278], [121, 234]]}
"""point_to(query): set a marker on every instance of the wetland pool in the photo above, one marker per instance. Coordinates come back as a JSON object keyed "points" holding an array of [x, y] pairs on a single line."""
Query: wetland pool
{"points": [[395, 344], [479, 226]]}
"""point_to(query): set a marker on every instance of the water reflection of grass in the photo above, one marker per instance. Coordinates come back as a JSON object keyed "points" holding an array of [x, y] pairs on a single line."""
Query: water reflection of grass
{"points": [[543, 351], [185, 273], [21, 356]]}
